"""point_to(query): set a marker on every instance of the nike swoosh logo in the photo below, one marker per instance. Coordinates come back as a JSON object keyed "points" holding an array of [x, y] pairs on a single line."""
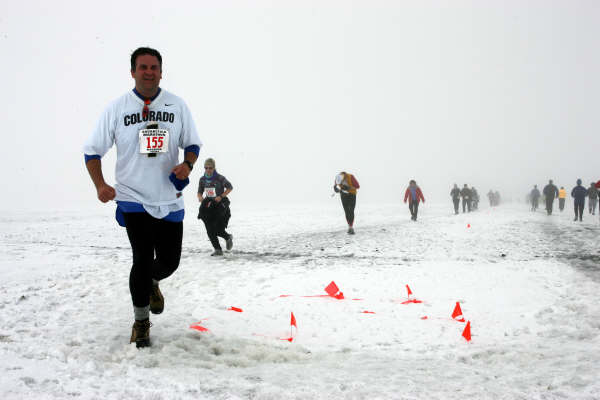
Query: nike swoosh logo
{"points": [[168, 104]]}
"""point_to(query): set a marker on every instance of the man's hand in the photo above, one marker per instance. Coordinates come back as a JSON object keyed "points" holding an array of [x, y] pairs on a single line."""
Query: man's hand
{"points": [[181, 171], [218, 199], [106, 192]]}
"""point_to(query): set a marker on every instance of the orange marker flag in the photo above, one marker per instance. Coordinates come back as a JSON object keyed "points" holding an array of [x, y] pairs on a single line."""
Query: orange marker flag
{"points": [[467, 332], [198, 327], [293, 321], [332, 289], [408, 290], [457, 313], [236, 309]]}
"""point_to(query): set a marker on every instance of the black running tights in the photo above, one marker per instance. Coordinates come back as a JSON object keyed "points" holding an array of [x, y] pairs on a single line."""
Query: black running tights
{"points": [[579, 209], [149, 236], [215, 228], [348, 202]]}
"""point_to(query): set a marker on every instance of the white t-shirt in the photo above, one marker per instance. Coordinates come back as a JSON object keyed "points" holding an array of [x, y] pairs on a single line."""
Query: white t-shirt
{"points": [[140, 178]]}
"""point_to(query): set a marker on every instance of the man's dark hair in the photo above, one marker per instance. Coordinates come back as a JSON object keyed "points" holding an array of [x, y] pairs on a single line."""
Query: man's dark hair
{"points": [[141, 51]]}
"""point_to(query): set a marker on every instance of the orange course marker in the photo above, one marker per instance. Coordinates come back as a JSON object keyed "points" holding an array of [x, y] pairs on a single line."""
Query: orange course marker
{"points": [[198, 327], [457, 314], [467, 332]]}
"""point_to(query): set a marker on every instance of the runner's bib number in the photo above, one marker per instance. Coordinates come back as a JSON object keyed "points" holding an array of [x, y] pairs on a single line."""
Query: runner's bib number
{"points": [[210, 192], [154, 141]]}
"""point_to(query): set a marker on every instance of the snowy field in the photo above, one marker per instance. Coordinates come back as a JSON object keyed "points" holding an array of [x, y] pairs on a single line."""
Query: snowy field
{"points": [[528, 283]]}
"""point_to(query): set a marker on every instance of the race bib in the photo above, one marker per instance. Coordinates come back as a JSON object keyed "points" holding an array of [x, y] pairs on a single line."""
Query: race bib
{"points": [[154, 141], [210, 192]]}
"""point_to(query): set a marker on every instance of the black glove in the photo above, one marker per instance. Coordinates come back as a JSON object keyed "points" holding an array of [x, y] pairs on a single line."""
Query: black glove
{"points": [[336, 189]]}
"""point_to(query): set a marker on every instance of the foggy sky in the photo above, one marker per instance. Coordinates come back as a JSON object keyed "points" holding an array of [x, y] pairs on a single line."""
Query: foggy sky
{"points": [[286, 94]]}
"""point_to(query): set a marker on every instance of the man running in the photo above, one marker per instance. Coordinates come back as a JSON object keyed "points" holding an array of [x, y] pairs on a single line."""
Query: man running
{"points": [[455, 194], [465, 193], [148, 125], [579, 194], [347, 185], [551, 192]]}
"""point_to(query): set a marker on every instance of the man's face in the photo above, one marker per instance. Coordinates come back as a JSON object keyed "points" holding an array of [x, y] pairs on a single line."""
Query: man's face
{"points": [[147, 73]]}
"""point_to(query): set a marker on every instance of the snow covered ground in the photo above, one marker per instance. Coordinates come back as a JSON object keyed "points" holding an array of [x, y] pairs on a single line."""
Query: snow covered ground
{"points": [[65, 311]]}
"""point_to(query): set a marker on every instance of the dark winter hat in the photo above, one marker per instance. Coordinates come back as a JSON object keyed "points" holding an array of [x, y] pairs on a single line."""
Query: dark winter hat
{"points": [[579, 181]]}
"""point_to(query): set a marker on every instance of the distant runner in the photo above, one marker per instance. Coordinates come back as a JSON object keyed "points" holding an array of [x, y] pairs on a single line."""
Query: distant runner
{"points": [[550, 192], [474, 198], [346, 185], [465, 193], [490, 196], [562, 197], [414, 195], [534, 196], [579, 194], [455, 194], [213, 191], [593, 198]]}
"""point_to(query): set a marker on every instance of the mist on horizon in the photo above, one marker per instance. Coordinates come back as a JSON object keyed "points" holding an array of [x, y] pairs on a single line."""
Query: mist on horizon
{"points": [[286, 95]]}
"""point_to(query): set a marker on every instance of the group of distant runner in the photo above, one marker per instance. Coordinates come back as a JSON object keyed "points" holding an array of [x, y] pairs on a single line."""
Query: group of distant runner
{"points": [[578, 193], [347, 185], [470, 198]]}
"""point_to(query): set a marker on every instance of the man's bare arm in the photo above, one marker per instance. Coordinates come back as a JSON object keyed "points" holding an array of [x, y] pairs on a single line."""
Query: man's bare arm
{"points": [[104, 190]]}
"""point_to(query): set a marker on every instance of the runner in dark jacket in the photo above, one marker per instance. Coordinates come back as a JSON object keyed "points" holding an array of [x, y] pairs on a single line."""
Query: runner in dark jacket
{"points": [[593, 198], [214, 206], [579, 193], [465, 193], [551, 192], [455, 194]]}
